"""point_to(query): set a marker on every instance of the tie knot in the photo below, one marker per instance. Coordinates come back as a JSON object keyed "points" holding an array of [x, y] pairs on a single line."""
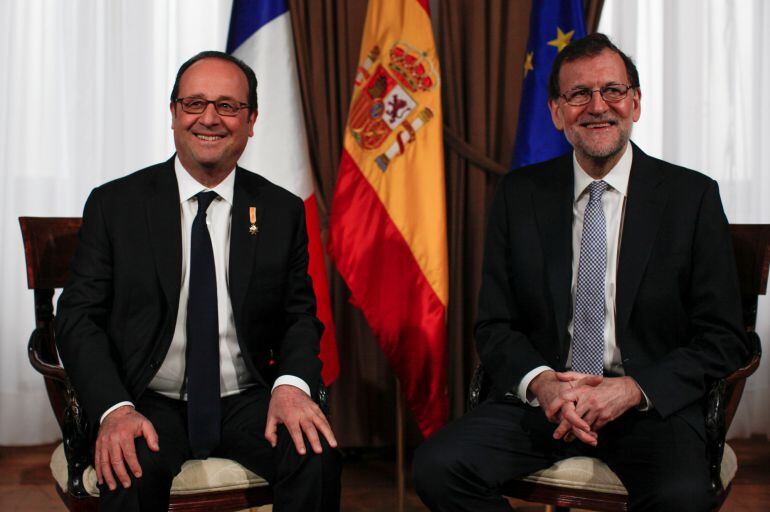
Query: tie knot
{"points": [[204, 200], [596, 189]]}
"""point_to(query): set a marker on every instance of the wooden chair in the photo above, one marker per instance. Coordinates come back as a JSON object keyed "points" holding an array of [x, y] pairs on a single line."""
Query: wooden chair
{"points": [[213, 484], [588, 483]]}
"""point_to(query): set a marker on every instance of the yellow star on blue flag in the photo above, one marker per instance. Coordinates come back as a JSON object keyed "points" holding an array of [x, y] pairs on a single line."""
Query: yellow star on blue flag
{"points": [[561, 40], [528, 63]]}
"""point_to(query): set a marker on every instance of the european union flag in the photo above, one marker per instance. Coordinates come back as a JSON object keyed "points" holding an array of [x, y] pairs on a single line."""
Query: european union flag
{"points": [[553, 25]]}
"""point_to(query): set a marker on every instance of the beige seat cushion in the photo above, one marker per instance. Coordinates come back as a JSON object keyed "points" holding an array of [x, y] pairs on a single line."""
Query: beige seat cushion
{"points": [[196, 476], [586, 473]]}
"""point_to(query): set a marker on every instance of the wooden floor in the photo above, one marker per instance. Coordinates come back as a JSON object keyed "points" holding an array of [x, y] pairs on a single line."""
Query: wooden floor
{"points": [[368, 481]]}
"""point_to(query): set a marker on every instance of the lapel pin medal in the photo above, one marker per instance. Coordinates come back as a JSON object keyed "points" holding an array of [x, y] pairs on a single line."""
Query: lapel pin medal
{"points": [[253, 229]]}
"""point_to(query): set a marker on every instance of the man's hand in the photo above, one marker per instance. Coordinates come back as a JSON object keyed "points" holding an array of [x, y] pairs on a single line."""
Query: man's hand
{"points": [[292, 407], [601, 404], [115, 446], [550, 387]]}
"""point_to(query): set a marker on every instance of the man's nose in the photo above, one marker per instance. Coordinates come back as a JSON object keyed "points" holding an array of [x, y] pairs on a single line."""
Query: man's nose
{"points": [[209, 115], [597, 103]]}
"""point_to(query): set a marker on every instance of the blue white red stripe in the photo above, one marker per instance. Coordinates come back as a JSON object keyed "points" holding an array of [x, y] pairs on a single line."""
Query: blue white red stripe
{"points": [[261, 35]]}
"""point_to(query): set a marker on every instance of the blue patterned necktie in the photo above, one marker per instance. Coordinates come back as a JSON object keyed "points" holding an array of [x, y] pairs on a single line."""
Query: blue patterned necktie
{"points": [[588, 320], [203, 402]]}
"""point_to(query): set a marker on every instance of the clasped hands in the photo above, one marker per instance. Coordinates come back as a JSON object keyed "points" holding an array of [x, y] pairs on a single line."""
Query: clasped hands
{"points": [[582, 404], [115, 451]]}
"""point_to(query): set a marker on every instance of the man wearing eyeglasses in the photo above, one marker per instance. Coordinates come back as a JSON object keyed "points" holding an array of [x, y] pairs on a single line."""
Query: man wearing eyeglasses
{"points": [[609, 300], [188, 328]]}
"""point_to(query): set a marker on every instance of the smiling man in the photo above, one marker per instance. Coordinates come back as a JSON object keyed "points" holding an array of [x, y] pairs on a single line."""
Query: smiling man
{"points": [[609, 301], [188, 327]]}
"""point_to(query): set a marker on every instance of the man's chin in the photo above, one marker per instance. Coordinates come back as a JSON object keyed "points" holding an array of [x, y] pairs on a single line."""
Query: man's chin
{"points": [[208, 160], [603, 151]]}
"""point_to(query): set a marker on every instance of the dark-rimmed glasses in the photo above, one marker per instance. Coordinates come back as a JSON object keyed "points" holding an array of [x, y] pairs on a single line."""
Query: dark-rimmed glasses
{"points": [[223, 107], [609, 93]]}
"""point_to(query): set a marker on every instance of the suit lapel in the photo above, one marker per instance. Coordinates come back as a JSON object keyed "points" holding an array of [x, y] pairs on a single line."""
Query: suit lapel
{"points": [[553, 206], [644, 210], [243, 244], [164, 219]]}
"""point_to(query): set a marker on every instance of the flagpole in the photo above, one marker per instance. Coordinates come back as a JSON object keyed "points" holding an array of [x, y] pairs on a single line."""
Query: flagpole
{"points": [[400, 485]]}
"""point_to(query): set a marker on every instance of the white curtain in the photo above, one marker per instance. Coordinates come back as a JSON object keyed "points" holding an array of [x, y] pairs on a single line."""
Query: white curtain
{"points": [[84, 89], [704, 71]]}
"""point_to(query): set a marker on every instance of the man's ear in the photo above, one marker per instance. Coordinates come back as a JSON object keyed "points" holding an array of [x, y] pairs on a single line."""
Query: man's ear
{"points": [[252, 120], [637, 105], [553, 106], [172, 109]]}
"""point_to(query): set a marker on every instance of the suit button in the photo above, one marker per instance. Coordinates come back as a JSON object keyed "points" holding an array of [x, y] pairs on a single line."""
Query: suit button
{"points": [[154, 364]]}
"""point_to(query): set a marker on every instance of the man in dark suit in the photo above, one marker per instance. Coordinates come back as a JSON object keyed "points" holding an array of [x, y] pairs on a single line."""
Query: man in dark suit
{"points": [[189, 296], [609, 300]]}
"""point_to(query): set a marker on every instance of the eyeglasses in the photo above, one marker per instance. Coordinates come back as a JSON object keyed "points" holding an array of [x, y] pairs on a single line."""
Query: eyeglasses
{"points": [[609, 93], [223, 107]]}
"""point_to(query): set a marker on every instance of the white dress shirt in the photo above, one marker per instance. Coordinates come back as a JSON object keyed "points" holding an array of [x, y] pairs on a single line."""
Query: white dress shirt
{"points": [[613, 204], [234, 377]]}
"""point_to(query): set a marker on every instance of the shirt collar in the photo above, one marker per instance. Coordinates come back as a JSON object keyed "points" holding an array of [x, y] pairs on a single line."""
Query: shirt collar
{"points": [[189, 186], [617, 178]]}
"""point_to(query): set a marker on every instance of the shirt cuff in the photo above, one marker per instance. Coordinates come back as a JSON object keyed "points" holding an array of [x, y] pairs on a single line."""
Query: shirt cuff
{"points": [[116, 406], [522, 389], [645, 405], [291, 380]]}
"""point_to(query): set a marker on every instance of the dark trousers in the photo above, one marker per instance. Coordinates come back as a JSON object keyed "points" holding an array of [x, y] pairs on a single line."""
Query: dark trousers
{"points": [[300, 483], [465, 466]]}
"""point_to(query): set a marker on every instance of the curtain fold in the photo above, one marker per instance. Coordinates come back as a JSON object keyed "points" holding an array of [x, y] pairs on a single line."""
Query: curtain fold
{"points": [[481, 47], [592, 12]]}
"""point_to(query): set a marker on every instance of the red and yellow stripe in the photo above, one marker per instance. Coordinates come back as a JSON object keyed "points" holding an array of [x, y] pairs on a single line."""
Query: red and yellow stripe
{"points": [[388, 221]]}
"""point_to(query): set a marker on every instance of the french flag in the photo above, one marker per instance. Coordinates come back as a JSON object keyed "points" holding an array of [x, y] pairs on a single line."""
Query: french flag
{"points": [[261, 36]]}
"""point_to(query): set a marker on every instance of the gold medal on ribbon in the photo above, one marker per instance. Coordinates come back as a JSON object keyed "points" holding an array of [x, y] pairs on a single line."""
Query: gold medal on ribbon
{"points": [[253, 229]]}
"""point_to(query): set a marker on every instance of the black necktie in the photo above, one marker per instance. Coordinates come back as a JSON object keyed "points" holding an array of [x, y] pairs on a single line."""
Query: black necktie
{"points": [[203, 407]]}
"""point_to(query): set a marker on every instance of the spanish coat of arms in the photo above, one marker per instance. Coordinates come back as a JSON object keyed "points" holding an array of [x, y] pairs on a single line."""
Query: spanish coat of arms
{"points": [[385, 101]]}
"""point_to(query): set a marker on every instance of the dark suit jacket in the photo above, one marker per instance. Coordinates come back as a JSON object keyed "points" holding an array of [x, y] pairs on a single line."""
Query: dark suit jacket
{"points": [[678, 322], [116, 317]]}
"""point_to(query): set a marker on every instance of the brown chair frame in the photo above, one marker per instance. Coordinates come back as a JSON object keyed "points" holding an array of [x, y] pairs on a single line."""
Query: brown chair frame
{"points": [[751, 243], [49, 244]]}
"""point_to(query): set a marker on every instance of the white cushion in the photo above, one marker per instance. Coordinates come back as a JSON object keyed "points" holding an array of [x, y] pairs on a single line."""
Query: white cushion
{"points": [[586, 473], [212, 474]]}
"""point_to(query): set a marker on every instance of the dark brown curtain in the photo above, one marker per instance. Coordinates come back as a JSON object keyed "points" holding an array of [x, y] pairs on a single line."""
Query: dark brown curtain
{"points": [[481, 46], [481, 50], [593, 12]]}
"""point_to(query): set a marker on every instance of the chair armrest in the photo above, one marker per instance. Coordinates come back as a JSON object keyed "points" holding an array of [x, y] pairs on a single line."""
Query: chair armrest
{"points": [[77, 443], [323, 398], [34, 349], [74, 424], [716, 431], [721, 403], [476, 388]]}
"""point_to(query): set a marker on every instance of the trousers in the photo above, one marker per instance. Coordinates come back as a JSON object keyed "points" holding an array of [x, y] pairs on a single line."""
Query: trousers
{"points": [[308, 482], [464, 467]]}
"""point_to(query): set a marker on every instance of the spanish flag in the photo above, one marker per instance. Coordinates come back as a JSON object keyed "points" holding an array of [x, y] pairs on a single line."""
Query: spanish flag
{"points": [[388, 218]]}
